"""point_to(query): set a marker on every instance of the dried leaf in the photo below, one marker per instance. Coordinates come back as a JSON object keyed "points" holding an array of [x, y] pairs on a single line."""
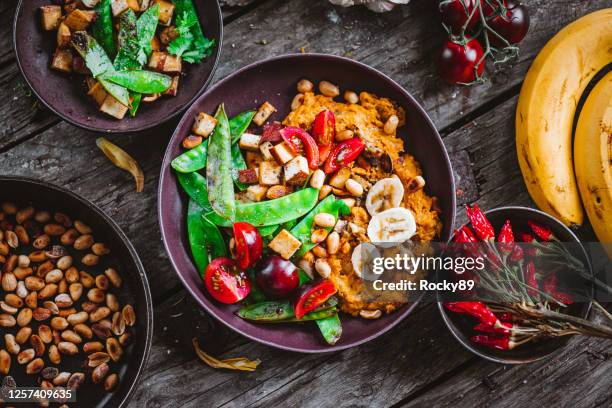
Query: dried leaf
{"points": [[240, 363], [121, 159]]}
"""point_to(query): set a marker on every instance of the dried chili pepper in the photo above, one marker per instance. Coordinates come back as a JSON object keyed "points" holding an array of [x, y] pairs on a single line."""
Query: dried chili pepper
{"points": [[517, 254], [506, 317], [541, 231], [475, 309], [506, 238], [465, 235], [530, 278], [504, 330], [528, 238], [550, 286], [499, 343], [481, 224]]}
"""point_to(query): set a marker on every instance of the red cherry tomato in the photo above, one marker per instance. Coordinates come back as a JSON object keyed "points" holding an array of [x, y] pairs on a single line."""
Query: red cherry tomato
{"points": [[225, 282], [512, 25], [458, 62], [324, 127], [277, 277], [324, 152], [249, 244], [455, 14], [343, 154], [298, 139], [313, 295]]}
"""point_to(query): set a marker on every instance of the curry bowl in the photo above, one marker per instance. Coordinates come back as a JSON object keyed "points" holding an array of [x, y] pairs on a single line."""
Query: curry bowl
{"points": [[274, 80], [66, 94]]}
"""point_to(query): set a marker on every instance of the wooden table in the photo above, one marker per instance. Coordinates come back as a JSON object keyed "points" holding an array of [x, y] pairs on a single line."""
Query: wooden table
{"points": [[416, 364]]}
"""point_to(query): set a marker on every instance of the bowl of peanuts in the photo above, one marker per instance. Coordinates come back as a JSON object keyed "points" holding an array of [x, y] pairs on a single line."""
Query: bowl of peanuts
{"points": [[76, 315]]}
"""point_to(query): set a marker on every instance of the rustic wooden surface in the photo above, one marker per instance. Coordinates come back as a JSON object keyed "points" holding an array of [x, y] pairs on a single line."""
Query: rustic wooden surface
{"points": [[416, 364]]}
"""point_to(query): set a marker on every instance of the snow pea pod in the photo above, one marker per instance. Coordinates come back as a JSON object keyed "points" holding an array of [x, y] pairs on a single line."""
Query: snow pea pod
{"points": [[219, 168], [128, 42], [194, 184], [147, 82], [238, 125], [303, 229], [205, 239], [136, 99], [102, 28], [272, 212], [281, 311], [330, 328], [267, 230], [146, 27]]}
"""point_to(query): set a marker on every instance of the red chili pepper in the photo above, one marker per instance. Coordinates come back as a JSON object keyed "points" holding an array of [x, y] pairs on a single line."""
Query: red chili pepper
{"points": [[550, 286], [499, 343], [504, 330], [506, 317], [506, 238], [475, 309], [528, 238], [564, 298], [343, 154], [324, 127], [298, 138], [517, 254], [464, 234], [542, 232], [481, 224], [530, 278], [271, 132]]}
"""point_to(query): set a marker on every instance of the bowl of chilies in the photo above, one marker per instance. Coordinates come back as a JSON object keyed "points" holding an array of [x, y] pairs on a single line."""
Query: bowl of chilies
{"points": [[536, 308]]}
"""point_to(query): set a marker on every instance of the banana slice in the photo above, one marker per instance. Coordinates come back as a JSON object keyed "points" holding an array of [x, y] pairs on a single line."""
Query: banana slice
{"points": [[362, 259], [385, 194], [392, 225]]}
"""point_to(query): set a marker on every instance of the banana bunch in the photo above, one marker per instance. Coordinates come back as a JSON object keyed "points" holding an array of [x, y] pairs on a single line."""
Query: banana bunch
{"points": [[544, 118]]}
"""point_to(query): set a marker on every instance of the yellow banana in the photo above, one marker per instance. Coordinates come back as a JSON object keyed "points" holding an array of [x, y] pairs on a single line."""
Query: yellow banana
{"points": [[546, 107], [593, 159]]}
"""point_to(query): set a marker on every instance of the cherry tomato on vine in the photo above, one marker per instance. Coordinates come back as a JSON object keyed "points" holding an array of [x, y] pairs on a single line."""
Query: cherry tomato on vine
{"points": [[458, 62], [225, 282], [512, 25], [249, 244], [455, 13]]}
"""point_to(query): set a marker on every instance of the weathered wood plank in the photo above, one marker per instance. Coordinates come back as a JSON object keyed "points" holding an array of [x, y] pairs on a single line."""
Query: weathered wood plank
{"points": [[7, 12]]}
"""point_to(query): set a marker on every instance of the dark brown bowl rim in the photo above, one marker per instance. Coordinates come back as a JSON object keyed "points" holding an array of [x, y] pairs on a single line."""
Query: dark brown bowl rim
{"points": [[515, 361], [406, 311], [142, 277], [152, 124]]}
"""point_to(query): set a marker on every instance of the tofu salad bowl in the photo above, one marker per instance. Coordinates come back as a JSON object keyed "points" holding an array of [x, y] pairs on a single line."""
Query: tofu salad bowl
{"points": [[274, 179], [117, 65]]}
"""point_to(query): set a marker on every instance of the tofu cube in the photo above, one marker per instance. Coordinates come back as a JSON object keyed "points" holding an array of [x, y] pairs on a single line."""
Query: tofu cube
{"points": [[63, 36], [285, 244], [50, 17], [164, 62], [166, 11], [282, 153], [266, 150], [249, 141], [144, 4], [62, 60], [248, 176], [253, 159], [296, 171], [118, 7], [79, 20], [70, 7], [168, 34], [98, 93], [204, 124], [173, 64], [90, 3], [270, 173], [173, 90], [278, 191], [263, 113], [113, 107], [256, 192]]}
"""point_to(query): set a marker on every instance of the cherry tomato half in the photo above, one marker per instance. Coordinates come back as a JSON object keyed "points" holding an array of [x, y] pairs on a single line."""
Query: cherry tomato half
{"points": [[455, 14], [277, 277], [225, 282], [249, 244], [313, 295], [343, 154], [298, 139], [324, 127], [458, 62], [512, 25]]}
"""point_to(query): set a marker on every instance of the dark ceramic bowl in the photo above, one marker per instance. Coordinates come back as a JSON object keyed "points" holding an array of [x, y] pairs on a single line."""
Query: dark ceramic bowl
{"points": [[66, 94], [461, 326], [275, 80], [135, 288]]}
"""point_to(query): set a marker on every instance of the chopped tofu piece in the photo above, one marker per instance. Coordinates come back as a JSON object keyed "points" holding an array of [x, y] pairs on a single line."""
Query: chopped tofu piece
{"points": [[90, 3], [339, 179], [62, 60], [50, 17], [63, 36], [168, 34], [155, 44], [166, 10], [248, 176], [164, 62], [98, 93], [278, 191], [249, 141], [266, 150], [172, 91], [296, 171], [204, 124], [256, 192], [173, 64], [79, 20], [113, 107], [270, 173], [282, 153], [264, 112], [253, 159], [120, 6], [70, 7], [285, 244], [144, 4]]}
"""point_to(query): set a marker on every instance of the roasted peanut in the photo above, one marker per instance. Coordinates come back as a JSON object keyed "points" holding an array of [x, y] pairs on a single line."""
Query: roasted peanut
{"points": [[64, 262], [48, 291], [324, 220], [38, 256], [49, 373], [86, 279], [5, 362], [42, 217], [333, 243], [90, 260], [41, 314], [22, 273], [34, 283], [77, 318], [100, 249], [92, 347], [11, 344], [13, 300], [67, 348], [96, 295], [26, 356], [83, 330], [54, 230], [9, 282], [351, 97], [61, 379], [31, 300], [22, 235], [72, 275], [370, 314], [318, 235], [319, 252], [11, 239], [69, 237], [54, 276], [35, 366], [23, 335], [317, 179], [304, 86], [101, 331], [62, 219], [99, 373], [113, 348], [83, 242], [99, 314], [51, 306], [6, 308], [44, 268], [71, 337], [24, 317], [102, 282], [75, 380], [322, 267], [111, 382], [391, 125], [24, 214], [118, 324], [354, 187], [114, 277], [54, 354], [76, 291], [37, 344], [343, 135], [328, 89], [297, 101], [63, 300], [112, 302], [59, 323], [45, 333]]}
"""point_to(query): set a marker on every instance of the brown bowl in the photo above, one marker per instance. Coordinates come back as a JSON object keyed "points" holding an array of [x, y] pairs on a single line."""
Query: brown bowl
{"points": [[135, 289], [274, 80], [65, 94]]}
